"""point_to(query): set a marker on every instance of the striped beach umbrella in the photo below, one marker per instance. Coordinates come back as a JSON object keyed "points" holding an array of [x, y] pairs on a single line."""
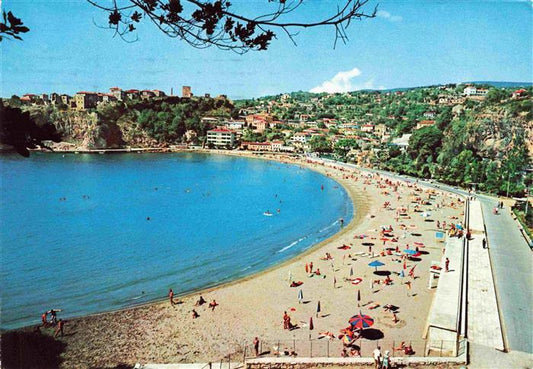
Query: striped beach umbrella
{"points": [[361, 321]]}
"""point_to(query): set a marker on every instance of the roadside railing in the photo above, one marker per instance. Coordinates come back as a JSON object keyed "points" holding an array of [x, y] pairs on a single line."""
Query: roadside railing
{"points": [[358, 348]]}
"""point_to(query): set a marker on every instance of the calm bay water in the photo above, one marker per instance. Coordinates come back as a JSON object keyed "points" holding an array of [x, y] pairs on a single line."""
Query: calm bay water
{"points": [[92, 233]]}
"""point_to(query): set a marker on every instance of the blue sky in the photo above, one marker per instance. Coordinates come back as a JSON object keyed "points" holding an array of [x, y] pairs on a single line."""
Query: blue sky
{"points": [[410, 43]]}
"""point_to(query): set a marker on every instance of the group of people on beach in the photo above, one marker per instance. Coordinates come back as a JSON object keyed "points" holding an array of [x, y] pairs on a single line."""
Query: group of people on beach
{"points": [[201, 301], [59, 324]]}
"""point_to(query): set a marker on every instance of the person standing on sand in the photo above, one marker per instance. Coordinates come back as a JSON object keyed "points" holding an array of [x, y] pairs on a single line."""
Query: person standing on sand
{"points": [[377, 357], [447, 265], [59, 329], [484, 243], [286, 320], [256, 346], [171, 296]]}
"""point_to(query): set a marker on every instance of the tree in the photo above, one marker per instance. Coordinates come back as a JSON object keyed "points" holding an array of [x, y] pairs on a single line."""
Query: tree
{"points": [[11, 27], [204, 23], [19, 130], [344, 145], [320, 144]]}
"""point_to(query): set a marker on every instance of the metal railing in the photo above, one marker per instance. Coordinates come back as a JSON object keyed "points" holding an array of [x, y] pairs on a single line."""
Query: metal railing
{"points": [[359, 348]]}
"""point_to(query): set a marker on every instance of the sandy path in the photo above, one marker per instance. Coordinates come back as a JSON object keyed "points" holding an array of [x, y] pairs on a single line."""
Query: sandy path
{"points": [[254, 306]]}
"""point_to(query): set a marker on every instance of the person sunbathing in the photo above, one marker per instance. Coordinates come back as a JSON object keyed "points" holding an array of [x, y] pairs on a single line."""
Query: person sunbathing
{"points": [[213, 304], [296, 284], [200, 301], [401, 347]]}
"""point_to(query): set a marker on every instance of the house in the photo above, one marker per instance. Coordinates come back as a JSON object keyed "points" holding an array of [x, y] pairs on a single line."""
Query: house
{"points": [[45, 99], [159, 93], [380, 129], [147, 94], [65, 99], [234, 124], [221, 137], [256, 146], [519, 93], [118, 93], [261, 125], [32, 97], [133, 94], [251, 119], [25, 100], [186, 92], [301, 137], [474, 91], [402, 142], [367, 128], [425, 123], [106, 98], [277, 145], [85, 100], [54, 98], [430, 114]]}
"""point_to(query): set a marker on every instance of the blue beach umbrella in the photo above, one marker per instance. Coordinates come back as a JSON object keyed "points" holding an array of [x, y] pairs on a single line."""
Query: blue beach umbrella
{"points": [[376, 264], [410, 252]]}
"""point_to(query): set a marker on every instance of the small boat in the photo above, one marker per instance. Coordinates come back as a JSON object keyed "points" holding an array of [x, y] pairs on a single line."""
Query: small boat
{"points": [[267, 213]]}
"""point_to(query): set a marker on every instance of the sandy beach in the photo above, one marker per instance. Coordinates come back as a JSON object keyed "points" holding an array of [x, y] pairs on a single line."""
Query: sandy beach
{"points": [[254, 306]]}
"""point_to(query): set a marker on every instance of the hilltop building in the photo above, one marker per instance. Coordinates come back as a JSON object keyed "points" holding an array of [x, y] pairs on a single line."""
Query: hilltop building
{"points": [[186, 92]]}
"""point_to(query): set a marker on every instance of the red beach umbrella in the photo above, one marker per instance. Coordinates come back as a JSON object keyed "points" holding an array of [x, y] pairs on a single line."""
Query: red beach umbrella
{"points": [[361, 321]]}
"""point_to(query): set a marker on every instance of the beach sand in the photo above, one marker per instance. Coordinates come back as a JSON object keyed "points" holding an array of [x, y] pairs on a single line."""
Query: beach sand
{"points": [[254, 306]]}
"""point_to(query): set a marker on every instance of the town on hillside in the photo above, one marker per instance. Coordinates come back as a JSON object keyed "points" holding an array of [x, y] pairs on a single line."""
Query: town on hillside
{"points": [[458, 133]]}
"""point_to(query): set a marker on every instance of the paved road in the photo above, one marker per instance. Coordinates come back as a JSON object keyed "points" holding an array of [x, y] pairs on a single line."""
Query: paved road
{"points": [[512, 262]]}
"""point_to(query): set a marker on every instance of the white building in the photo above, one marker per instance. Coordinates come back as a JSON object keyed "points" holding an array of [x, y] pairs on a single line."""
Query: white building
{"points": [[221, 137], [474, 91], [300, 137]]}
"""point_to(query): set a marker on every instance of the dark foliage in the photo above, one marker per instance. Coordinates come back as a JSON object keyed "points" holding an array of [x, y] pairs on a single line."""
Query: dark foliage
{"points": [[204, 23], [19, 130], [11, 27], [30, 350]]}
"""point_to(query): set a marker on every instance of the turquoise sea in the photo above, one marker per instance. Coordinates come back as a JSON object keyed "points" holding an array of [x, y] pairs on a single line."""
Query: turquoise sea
{"points": [[92, 233]]}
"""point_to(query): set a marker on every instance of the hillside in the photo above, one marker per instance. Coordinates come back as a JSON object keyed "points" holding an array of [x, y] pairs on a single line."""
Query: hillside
{"points": [[475, 136]]}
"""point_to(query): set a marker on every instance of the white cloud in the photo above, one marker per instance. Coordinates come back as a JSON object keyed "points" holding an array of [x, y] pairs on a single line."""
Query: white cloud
{"points": [[343, 82], [388, 16]]}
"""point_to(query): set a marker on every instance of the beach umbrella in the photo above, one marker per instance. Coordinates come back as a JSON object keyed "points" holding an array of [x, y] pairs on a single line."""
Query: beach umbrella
{"points": [[351, 271], [300, 295], [361, 321], [376, 264], [410, 252], [311, 326], [317, 309], [347, 339], [425, 214], [402, 274], [358, 297]]}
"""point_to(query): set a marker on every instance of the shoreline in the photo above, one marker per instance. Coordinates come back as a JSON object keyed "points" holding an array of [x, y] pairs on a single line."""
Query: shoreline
{"points": [[252, 306], [356, 216]]}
